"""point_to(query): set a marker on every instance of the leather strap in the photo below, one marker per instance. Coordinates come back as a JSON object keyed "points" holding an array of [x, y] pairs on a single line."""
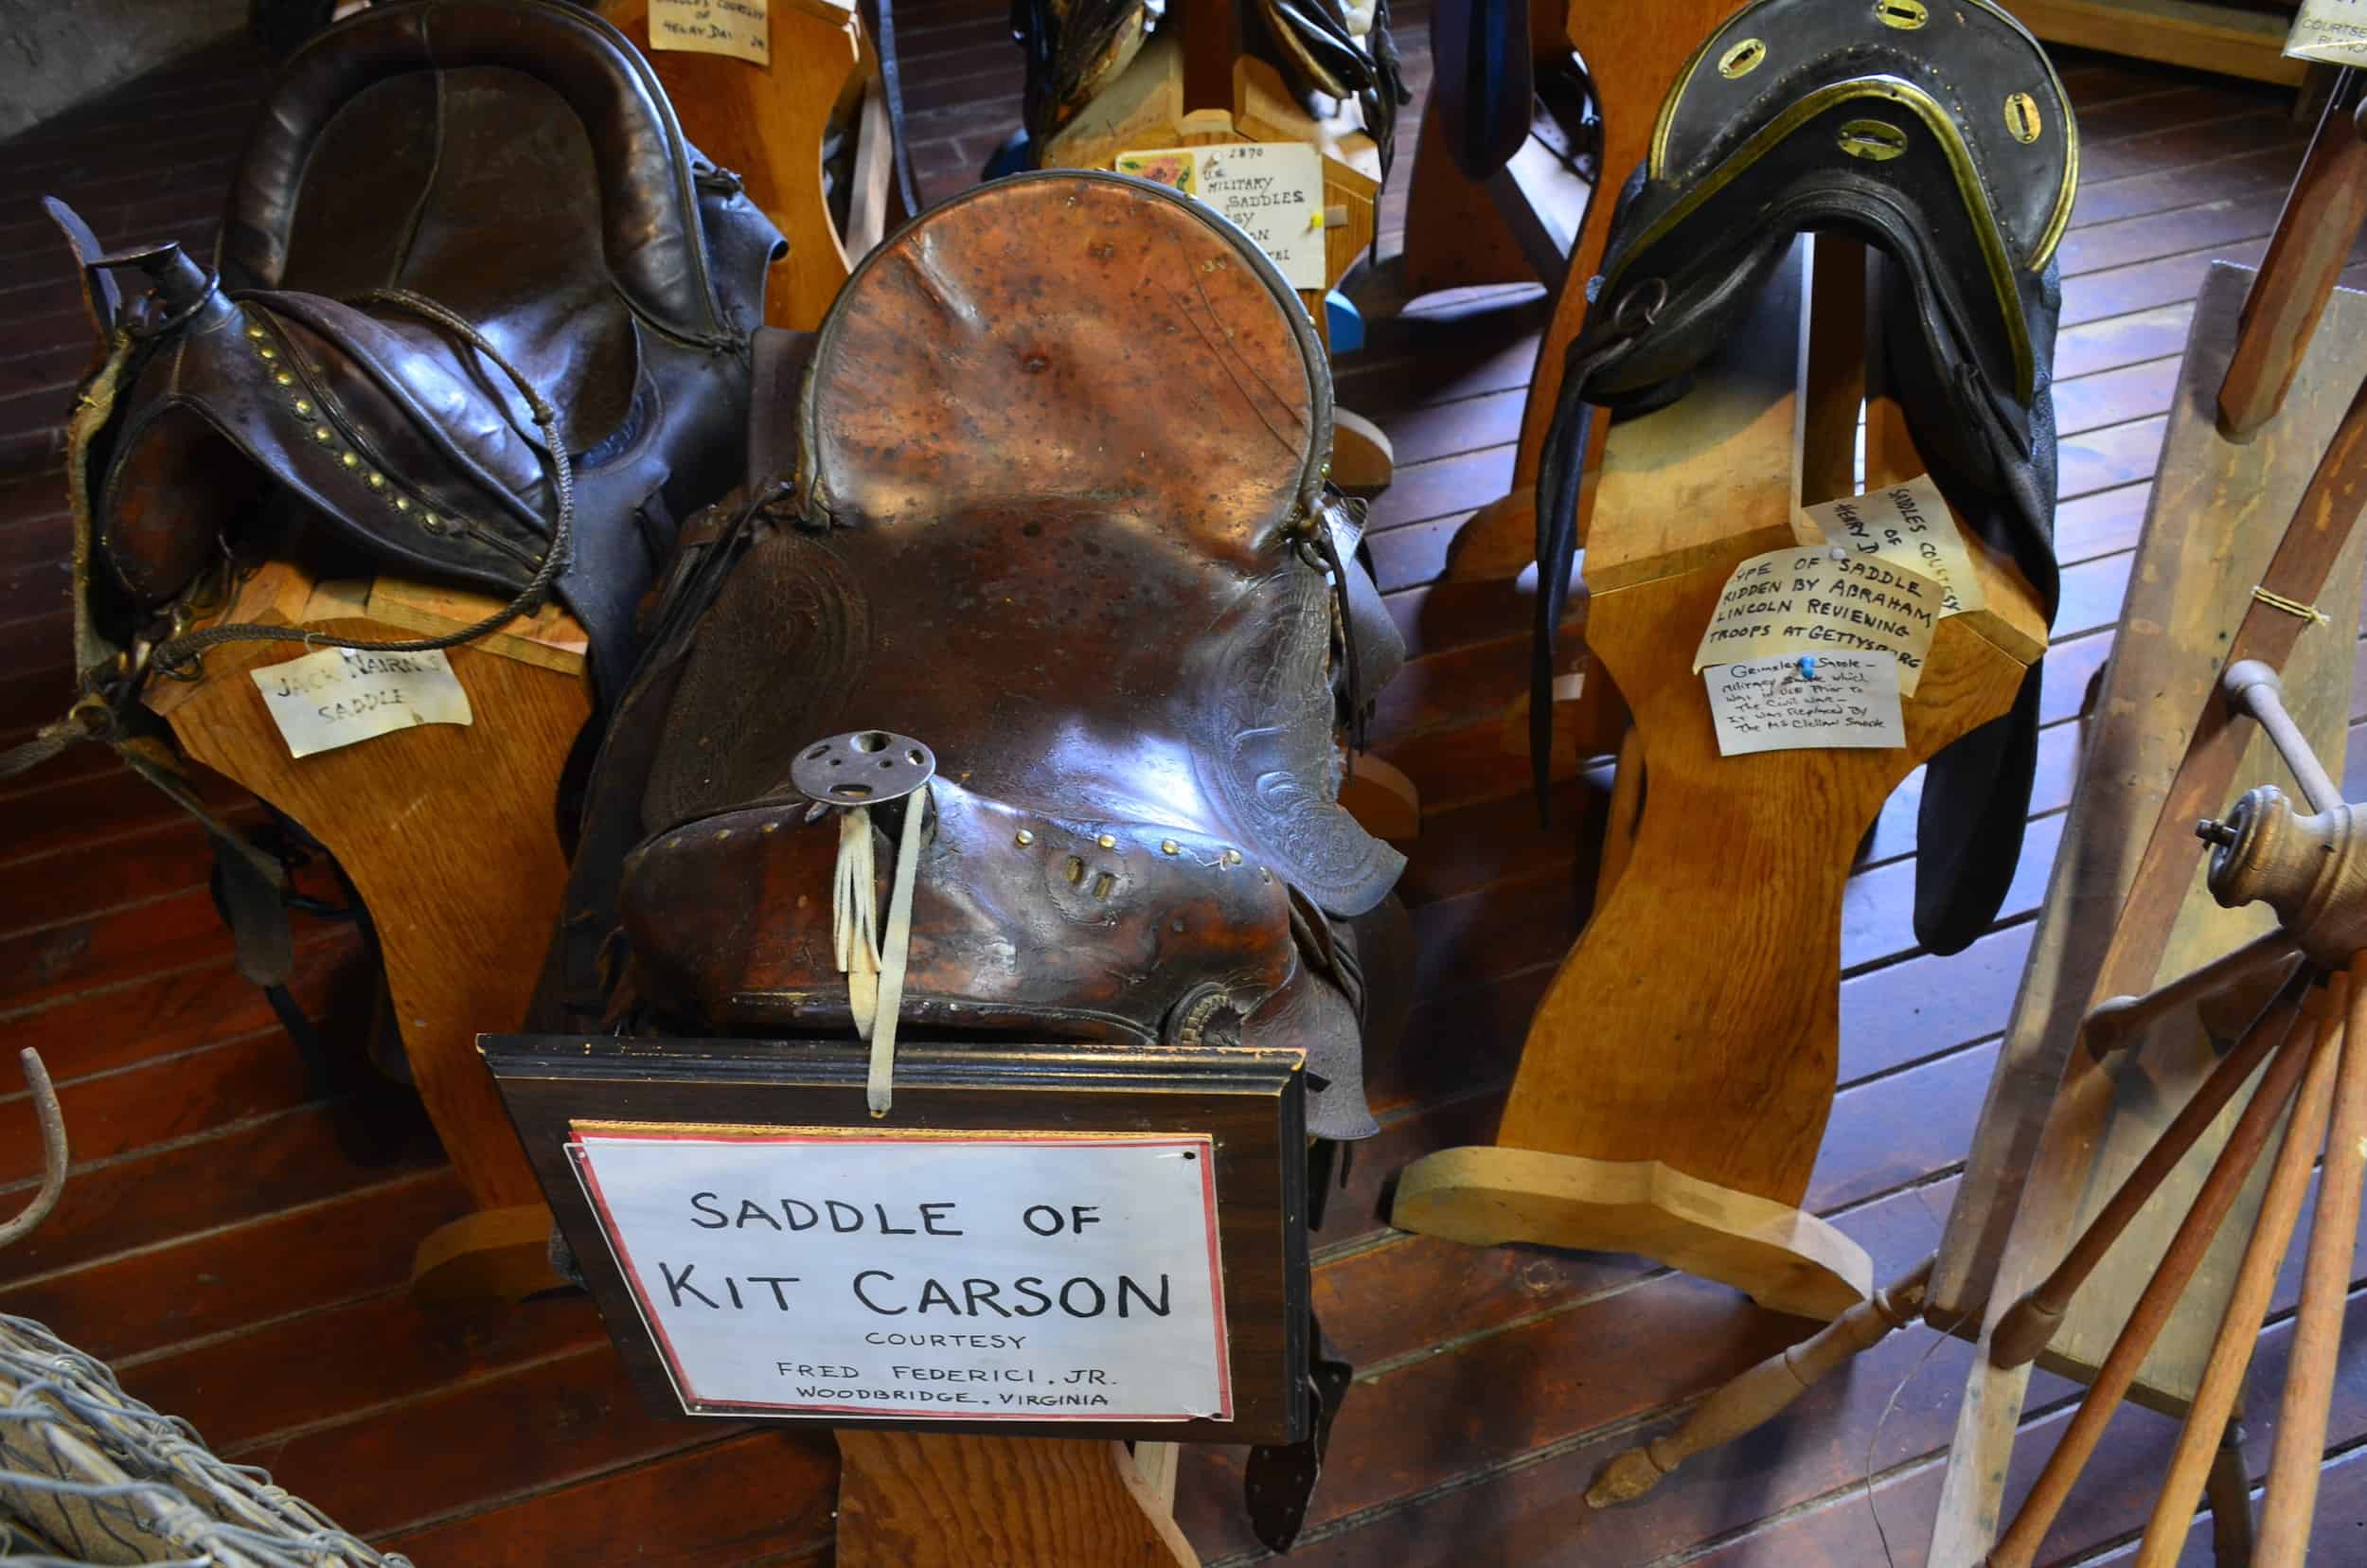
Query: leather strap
{"points": [[1278, 1479]]}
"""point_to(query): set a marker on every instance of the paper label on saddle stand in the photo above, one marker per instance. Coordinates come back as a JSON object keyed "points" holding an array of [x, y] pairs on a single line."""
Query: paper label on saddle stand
{"points": [[2331, 30], [1820, 600], [737, 27], [1806, 701], [1908, 526], [1272, 190], [339, 695]]}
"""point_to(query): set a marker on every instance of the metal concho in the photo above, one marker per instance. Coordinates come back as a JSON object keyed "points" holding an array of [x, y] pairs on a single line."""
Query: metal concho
{"points": [[862, 768]]}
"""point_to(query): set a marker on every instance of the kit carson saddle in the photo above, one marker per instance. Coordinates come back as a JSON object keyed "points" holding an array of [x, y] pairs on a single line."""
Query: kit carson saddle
{"points": [[479, 313], [1942, 138], [1047, 604]]}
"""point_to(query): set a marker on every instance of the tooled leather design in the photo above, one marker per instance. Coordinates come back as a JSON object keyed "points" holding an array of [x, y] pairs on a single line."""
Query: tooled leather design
{"points": [[1267, 751], [772, 670], [1087, 929]]}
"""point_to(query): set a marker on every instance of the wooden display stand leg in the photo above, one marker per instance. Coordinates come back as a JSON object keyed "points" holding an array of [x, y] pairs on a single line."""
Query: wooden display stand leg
{"points": [[448, 833], [1674, 1088], [924, 1500]]}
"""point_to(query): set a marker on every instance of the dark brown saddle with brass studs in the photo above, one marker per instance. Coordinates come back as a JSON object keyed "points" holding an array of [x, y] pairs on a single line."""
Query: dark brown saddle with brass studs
{"points": [[479, 315], [1038, 569]]}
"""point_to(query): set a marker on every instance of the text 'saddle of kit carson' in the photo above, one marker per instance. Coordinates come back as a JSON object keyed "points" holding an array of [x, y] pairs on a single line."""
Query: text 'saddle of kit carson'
{"points": [[995, 1276]]}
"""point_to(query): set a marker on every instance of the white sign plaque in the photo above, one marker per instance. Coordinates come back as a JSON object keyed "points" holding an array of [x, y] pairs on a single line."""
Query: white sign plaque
{"points": [[341, 695], [1272, 190], [1806, 702], [985, 1276]]}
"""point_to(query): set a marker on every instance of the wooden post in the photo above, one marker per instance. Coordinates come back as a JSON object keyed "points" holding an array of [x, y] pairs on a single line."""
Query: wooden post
{"points": [[2306, 254], [1680, 1117], [450, 834], [922, 1499]]}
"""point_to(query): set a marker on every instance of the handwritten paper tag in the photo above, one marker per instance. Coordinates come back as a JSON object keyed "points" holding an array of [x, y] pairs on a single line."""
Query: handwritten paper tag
{"points": [[1272, 190], [1808, 599], [990, 1276], [1799, 702], [338, 696], [2331, 30], [737, 27], [1908, 526]]}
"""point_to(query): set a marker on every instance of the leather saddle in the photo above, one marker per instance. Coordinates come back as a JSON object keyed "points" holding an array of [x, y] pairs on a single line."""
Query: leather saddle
{"points": [[1037, 543], [1943, 140], [479, 315]]}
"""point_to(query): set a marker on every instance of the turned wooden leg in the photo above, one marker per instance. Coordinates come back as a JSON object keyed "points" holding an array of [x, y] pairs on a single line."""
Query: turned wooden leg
{"points": [[2018, 1547], [1761, 1394], [2031, 1322], [2291, 1497], [2201, 1446], [2229, 1490]]}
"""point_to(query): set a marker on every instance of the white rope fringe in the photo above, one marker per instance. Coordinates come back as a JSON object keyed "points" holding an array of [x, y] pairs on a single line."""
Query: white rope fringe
{"points": [[875, 971]]}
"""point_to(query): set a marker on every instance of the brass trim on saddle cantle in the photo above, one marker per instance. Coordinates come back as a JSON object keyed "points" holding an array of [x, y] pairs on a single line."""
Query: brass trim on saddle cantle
{"points": [[2049, 234], [1944, 131]]}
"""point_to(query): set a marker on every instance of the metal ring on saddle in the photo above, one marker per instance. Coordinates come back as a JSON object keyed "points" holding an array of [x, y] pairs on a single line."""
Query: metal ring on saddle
{"points": [[862, 768]]}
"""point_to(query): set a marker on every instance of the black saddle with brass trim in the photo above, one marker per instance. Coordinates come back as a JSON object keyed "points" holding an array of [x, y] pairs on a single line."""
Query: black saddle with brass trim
{"points": [[1942, 138]]}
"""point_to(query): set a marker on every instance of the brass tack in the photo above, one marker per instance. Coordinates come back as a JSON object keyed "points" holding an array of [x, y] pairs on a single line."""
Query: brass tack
{"points": [[376, 480], [721, 834], [1169, 847], [1232, 857], [322, 433], [402, 503], [268, 352], [1107, 841], [350, 460], [1023, 838], [769, 828], [304, 406], [283, 377], [254, 333]]}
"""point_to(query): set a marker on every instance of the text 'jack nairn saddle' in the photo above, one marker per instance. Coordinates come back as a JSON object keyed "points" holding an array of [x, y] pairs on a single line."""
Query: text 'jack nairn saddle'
{"points": [[1038, 623], [479, 315], [1941, 137]]}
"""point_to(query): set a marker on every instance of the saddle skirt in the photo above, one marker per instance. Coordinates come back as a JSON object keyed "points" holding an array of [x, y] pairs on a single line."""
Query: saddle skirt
{"points": [[1943, 140], [453, 216], [1055, 510]]}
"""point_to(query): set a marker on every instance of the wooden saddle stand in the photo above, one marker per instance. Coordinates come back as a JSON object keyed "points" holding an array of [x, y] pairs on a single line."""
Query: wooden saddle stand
{"points": [[1681, 1118], [399, 812], [2157, 1298]]}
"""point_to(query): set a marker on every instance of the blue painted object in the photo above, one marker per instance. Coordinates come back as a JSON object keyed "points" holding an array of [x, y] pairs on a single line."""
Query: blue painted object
{"points": [[1347, 326]]}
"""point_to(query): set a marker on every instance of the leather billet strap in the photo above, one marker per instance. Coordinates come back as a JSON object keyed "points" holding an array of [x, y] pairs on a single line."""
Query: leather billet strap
{"points": [[1278, 1479]]}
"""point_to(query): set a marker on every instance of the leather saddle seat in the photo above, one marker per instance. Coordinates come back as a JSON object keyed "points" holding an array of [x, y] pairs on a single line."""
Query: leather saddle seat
{"points": [[449, 209], [1943, 140], [1054, 507]]}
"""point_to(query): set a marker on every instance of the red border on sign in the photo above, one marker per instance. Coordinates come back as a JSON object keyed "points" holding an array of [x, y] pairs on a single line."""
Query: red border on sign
{"points": [[682, 1391]]}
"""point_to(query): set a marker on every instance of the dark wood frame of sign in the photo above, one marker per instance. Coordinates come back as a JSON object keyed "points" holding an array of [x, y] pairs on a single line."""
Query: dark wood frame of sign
{"points": [[1251, 1103]]}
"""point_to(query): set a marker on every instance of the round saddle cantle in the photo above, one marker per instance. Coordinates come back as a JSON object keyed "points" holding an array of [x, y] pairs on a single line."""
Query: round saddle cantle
{"points": [[1053, 518], [1943, 140], [453, 218]]}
